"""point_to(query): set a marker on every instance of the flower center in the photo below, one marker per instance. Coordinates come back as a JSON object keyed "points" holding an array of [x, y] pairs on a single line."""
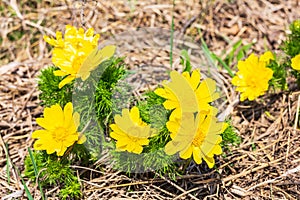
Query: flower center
{"points": [[59, 134], [253, 82], [135, 132], [198, 139]]}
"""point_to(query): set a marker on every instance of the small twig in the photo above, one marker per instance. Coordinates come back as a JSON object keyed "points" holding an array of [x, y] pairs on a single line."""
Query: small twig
{"points": [[291, 171], [187, 192], [123, 185], [10, 163], [86, 168], [188, 24], [178, 187], [40, 28], [264, 165], [164, 191], [295, 128]]}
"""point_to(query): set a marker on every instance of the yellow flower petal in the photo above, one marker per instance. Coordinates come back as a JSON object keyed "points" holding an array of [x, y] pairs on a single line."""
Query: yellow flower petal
{"points": [[38, 134], [60, 73], [116, 131], [173, 126], [161, 92], [209, 161], [135, 114], [124, 122], [121, 144], [76, 120], [81, 138], [65, 81], [143, 141], [266, 57], [193, 79], [61, 151], [53, 117], [95, 58], [169, 105], [206, 92], [38, 145], [196, 155], [184, 92], [137, 149], [186, 153], [68, 113], [296, 62]]}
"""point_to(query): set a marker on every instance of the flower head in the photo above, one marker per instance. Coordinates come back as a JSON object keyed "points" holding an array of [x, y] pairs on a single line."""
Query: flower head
{"points": [[252, 78], [195, 136], [186, 93], [130, 131], [193, 128], [60, 130], [296, 62], [77, 53]]}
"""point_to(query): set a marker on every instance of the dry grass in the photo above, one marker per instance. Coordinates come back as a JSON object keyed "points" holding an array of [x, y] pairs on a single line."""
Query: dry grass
{"points": [[264, 166]]}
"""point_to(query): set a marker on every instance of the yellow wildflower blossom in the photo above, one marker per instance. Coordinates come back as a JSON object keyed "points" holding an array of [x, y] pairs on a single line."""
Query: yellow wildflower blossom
{"points": [[77, 54], [186, 93], [296, 62], [60, 130], [130, 131], [195, 136], [252, 78]]}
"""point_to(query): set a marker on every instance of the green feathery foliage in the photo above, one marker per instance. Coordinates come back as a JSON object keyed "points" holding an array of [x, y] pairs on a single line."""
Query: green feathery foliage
{"points": [[229, 138], [93, 100], [292, 45], [105, 89], [50, 93], [53, 172], [279, 75]]}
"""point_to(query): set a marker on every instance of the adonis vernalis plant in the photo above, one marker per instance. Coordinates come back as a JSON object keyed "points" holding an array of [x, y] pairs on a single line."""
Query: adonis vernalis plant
{"points": [[178, 117]]}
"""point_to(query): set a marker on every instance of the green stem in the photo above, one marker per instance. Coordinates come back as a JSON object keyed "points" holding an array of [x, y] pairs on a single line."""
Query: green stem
{"points": [[172, 36]]}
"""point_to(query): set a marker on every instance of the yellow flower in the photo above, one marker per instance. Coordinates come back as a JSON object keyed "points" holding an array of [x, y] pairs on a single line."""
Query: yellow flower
{"points": [[195, 136], [186, 93], [266, 57], [252, 78], [296, 62], [130, 131], [188, 97], [77, 53], [60, 130]]}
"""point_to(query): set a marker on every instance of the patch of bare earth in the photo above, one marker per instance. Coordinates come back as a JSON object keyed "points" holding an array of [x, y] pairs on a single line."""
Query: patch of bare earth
{"points": [[264, 166]]}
